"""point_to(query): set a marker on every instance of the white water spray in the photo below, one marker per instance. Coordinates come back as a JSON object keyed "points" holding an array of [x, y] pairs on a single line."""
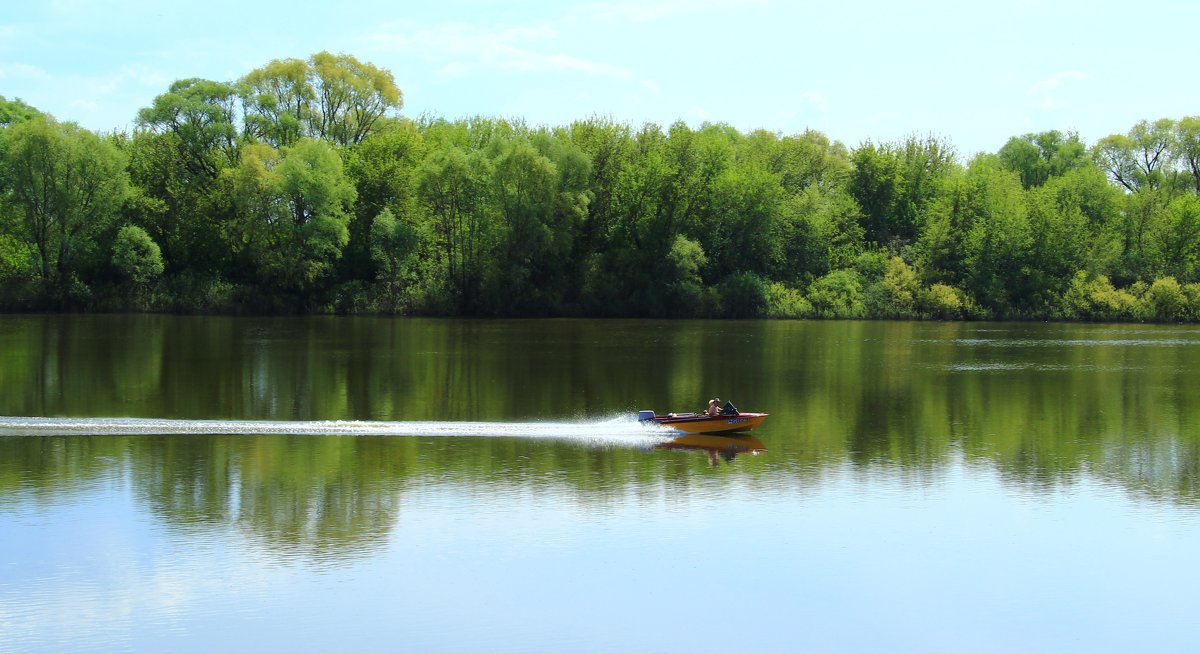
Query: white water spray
{"points": [[613, 430]]}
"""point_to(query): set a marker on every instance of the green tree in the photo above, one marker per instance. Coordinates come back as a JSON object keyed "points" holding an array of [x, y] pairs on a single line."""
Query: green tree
{"points": [[68, 185], [838, 294], [627, 278], [542, 202], [745, 232], [394, 252], [1091, 296], [895, 183], [806, 161], [136, 256], [609, 146], [1038, 157], [940, 250], [897, 291], [1136, 160], [941, 301], [1186, 147], [997, 244], [351, 97], [1059, 245], [201, 115], [385, 168], [786, 302], [293, 206], [180, 209], [1165, 300], [278, 99], [256, 232], [743, 295], [685, 288], [1152, 143], [455, 187], [819, 232], [1140, 213], [15, 111], [1086, 190], [317, 197], [524, 191], [330, 97], [876, 184], [1175, 240], [186, 138]]}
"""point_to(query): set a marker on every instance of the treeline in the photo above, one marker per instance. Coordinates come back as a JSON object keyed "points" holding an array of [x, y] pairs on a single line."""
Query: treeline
{"points": [[300, 188]]}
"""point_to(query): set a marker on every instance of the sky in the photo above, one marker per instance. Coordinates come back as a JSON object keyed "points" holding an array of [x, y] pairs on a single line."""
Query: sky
{"points": [[973, 73]]}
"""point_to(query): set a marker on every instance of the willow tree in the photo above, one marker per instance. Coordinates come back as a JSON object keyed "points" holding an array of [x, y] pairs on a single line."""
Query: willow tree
{"points": [[67, 184], [278, 100], [1038, 157], [895, 184], [455, 187], [1137, 159], [330, 97], [384, 169], [202, 115], [292, 205], [1187, 147], [15, 111], [351, 97], [317, 197]]}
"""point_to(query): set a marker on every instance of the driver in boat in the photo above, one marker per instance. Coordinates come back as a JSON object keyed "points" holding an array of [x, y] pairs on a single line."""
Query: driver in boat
{"points": [[714, 407]]}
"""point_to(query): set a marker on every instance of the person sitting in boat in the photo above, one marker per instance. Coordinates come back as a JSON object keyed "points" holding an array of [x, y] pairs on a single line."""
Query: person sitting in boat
{"points": [[714, 407]]}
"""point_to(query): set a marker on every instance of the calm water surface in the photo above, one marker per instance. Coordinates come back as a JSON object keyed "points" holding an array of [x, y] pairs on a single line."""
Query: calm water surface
{"points": [[924, 487]]}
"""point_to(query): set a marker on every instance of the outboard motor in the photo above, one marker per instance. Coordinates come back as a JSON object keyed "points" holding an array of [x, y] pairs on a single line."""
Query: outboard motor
{"points": [[645, 416], [729, 409]]}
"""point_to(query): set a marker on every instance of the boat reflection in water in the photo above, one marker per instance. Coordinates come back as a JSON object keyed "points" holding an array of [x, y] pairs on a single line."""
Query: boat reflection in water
{"points": [[717, 447]]}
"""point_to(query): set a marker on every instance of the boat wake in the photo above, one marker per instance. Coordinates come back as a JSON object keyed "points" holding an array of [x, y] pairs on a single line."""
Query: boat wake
{"points": [[614, 430]]}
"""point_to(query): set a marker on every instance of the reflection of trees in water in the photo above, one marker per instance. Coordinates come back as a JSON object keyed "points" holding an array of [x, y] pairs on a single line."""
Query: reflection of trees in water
{"points": [[1164, 468], [1026, 399], [916, 396], [330, 499], [54, 469], [325, 498]]}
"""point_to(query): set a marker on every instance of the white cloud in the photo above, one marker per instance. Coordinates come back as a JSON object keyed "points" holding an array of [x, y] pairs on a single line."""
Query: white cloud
{"points": [[22, 71], [883, 118], [454, 69], [646, 12], [68, 7], [470, 48], [816, 100], [1045, 93], [100, 101], [131, 75], [85, 105]]}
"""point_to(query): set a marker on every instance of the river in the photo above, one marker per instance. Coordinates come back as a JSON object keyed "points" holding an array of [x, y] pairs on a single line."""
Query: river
{"points": [[175, 483]]}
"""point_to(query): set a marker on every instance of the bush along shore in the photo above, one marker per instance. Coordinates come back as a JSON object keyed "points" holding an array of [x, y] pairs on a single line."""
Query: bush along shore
{"points": [[301, 188]]}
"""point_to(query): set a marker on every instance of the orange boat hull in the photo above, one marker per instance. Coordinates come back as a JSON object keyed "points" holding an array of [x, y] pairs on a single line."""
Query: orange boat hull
{"points": [[703, 424]]}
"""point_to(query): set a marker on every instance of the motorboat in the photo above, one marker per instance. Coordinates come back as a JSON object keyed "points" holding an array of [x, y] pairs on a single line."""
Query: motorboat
{"points": [[728, 420]]}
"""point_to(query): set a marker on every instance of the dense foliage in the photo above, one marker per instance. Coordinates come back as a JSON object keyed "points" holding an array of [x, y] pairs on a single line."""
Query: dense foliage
{"points": [[300, 188]]}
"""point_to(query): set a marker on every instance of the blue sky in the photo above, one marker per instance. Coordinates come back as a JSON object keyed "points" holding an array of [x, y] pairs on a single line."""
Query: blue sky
{"points": [[974, 73]]}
